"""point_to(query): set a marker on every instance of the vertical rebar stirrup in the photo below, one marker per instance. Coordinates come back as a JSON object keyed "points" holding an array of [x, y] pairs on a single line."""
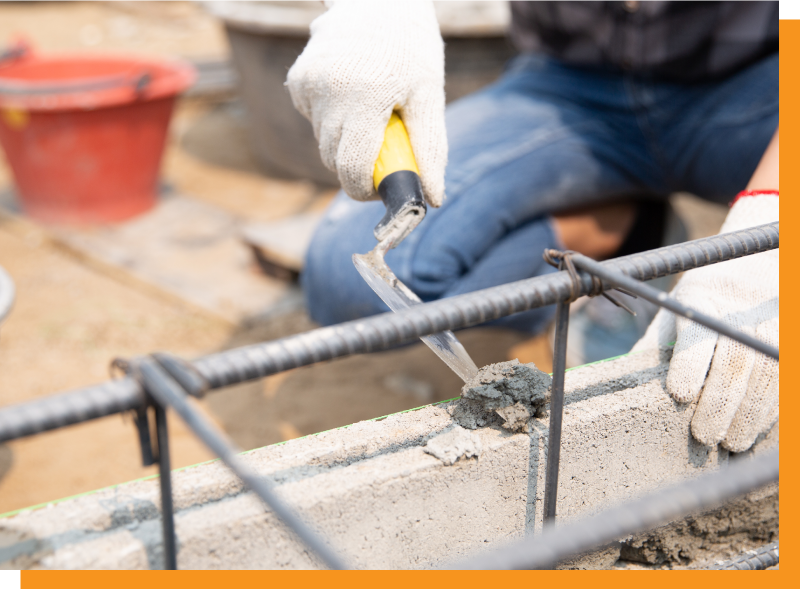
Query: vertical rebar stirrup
{"points": [[555, 258], [151, 454], [556, 413], [563, 261], [168, 381], [165, 484]]}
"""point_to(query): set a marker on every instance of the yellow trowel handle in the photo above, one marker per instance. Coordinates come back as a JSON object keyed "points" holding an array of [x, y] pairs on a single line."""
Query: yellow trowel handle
{"points": [[396, 178]]}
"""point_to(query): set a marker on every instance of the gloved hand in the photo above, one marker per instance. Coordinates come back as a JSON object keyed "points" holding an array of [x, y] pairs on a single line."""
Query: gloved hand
{"points": [[365, 59], [738, 386]]}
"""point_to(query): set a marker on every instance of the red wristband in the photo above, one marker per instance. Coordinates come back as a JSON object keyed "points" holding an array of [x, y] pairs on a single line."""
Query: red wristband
{"points": [[744, 193]]}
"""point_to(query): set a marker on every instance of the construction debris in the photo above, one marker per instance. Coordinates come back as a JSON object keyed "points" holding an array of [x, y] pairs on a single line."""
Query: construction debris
{"points": [[454, 444]]}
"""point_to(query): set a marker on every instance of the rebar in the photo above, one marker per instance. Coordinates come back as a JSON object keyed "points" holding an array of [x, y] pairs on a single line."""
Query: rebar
{"points": [[167, 392], [753, 560], [165, 483], [662, 299], [601, 277], [702, 493], [556, 413], [380, 332]]}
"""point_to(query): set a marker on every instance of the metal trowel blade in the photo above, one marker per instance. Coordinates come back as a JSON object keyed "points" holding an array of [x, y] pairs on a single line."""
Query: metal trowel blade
{"points": [[398, 296]]}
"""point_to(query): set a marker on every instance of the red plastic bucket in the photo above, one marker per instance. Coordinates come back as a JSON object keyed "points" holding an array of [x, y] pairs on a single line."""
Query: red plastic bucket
{"points": [[84, 134]]}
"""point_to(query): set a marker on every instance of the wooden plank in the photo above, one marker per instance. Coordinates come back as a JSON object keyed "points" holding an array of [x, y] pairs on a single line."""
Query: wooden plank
{"points": [[188, 249]]}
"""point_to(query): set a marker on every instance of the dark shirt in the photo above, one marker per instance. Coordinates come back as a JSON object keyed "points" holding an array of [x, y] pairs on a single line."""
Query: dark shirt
{"points": [[682, 41]]}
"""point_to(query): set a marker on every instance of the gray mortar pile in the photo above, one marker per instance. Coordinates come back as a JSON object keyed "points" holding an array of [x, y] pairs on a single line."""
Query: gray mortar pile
{"points": [[508, 393], [417, 489]]}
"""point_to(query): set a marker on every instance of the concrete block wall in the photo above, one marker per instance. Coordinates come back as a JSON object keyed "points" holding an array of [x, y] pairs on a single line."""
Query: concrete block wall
{"points": [[377, 491]]}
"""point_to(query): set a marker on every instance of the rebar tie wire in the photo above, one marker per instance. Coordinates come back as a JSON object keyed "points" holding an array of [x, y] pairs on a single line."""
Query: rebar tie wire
{"points": [[166, 382], [563, 261]]}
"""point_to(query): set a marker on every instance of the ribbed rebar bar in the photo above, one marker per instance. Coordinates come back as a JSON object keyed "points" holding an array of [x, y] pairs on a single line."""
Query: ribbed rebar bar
{"points": [[753, 560], [380, 332], [703, 493]]}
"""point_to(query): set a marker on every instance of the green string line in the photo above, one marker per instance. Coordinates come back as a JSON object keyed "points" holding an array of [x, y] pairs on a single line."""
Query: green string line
{"points": [[155, 476]]}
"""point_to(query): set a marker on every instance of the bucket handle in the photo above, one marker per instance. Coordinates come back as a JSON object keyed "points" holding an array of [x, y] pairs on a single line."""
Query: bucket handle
{"points": [[14, 52], [142, 83], [139, 83]]}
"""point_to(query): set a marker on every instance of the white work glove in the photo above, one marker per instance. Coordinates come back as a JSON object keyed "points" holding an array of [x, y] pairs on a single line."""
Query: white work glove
{"points": [[365, 59], [738, 386]]}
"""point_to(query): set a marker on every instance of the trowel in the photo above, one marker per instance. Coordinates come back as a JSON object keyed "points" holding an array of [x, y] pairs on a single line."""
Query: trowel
{"points": [[396, 178]]}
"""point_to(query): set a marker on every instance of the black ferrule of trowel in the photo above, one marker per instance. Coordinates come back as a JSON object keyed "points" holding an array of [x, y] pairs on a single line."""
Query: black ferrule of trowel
{"points": [[396, 179]]}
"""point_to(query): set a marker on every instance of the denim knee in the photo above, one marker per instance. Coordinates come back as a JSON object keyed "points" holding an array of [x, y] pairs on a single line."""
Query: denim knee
{"points": [[333, 289]]}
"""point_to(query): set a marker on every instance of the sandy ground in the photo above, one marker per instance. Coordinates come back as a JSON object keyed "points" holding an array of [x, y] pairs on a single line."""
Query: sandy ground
{"points": [[70, 321], [71, 318], [169, 29], [67, 323]]}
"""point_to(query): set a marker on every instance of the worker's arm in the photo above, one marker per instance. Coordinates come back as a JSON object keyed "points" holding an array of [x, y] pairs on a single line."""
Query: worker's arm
{"points": [[737, 386], [766, 175], [364, 60]]}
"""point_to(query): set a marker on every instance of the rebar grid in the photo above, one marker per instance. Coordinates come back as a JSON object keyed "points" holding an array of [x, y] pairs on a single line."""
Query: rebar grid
{"points": [[601, 277], [167, 391], [159, 384], [380, 332]]}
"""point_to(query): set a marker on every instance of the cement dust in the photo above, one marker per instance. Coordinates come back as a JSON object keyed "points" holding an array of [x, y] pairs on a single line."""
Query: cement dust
{"points": [[507, 393]]}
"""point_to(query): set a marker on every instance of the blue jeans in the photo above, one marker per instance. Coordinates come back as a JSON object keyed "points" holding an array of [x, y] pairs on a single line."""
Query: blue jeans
{"points": [[544, 138]]}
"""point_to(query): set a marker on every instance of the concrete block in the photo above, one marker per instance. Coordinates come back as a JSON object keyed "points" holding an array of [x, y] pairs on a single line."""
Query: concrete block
{"points": [[382, 501]]}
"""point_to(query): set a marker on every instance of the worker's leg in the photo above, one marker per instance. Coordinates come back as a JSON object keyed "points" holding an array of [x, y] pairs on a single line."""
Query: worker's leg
{"points": [[712, 136], [544, 138]]}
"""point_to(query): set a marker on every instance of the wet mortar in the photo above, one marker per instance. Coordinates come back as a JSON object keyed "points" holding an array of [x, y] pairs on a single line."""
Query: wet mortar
{"points": [[507, 393]]}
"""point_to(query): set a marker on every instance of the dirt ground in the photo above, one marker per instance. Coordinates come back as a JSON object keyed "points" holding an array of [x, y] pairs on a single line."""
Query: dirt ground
{"points": [[169, 29], [69, 321], [71, 318]]}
